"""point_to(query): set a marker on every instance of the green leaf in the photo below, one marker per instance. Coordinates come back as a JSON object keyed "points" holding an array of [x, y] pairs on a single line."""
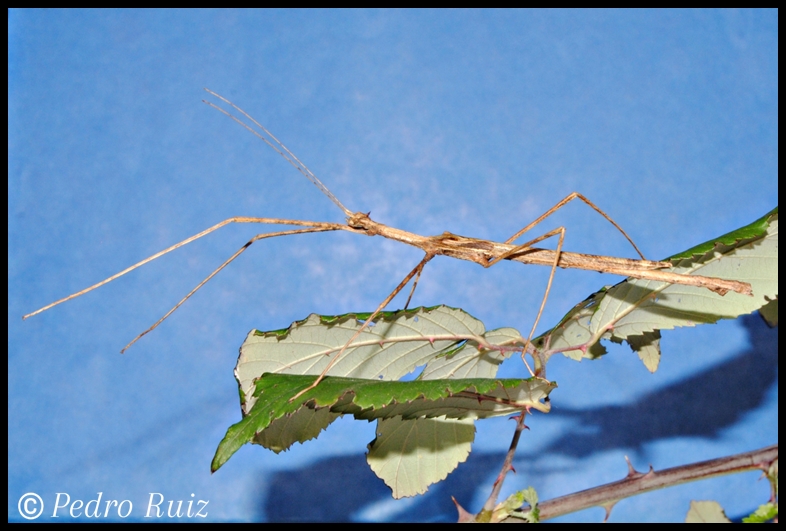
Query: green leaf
{"points": [[512, 503], [435, 459], [511, 507], [635, 308], [531, 497], [750, 231], [647, 346], [574, 329], [300, 427], [451, 344], [373, 399], [395, 345], [472, 361], [763, 514], [410, 455], [769, 313], [706, 512]]}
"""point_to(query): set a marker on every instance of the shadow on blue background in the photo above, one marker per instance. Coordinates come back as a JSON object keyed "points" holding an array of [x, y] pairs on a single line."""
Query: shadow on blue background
{"points": [[686, 408]]}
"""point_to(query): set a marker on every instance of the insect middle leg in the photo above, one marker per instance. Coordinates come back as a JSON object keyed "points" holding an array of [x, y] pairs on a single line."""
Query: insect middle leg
{"points": [[561, 232], [416, 271]]}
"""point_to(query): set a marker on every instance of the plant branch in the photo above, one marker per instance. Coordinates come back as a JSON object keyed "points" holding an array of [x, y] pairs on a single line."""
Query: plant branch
{"points": [[639, 483], [507, 466]]}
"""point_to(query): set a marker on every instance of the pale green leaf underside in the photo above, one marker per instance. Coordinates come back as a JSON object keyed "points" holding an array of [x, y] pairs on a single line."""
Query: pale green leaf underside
{"points": [[304, 425], [635, 308], [440, 444], [638, 306], [706, 512], [396, 344], [770, 312], [574, 329], [372, 399], [647, 346], [469, 362], [410, 455]]}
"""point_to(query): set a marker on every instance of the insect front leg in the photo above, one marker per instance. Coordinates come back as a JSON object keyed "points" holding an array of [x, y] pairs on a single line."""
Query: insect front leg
{"points": [[309, 226]]}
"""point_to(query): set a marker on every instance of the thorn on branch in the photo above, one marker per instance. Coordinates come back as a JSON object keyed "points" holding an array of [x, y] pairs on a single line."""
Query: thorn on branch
{"points": [[632, 472], [464, 516], [608, 507]]}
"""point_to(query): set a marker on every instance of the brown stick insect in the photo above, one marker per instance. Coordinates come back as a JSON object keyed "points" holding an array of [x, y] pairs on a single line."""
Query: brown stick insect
{"points": [[483, 252]]}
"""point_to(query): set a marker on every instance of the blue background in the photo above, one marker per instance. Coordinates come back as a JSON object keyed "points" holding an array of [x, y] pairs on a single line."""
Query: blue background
{"points": [[473, 122]]}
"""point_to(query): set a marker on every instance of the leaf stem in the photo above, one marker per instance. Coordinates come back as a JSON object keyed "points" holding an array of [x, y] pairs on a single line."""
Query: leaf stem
{"points": [[507, 466]]}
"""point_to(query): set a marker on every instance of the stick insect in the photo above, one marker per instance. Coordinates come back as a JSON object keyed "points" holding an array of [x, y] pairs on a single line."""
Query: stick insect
{"points": [[483, 252]]}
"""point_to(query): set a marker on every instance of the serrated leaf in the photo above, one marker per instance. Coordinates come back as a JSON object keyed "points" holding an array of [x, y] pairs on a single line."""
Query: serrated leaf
{"points": [[303, 425], [415, 336], [769, 313], [573, 330], [706, 512], [763, 514], [750, 231], [513, 502], [647, 346], [471, 361], [373, 399], [389, 349], [635, 307], [410, 455]]}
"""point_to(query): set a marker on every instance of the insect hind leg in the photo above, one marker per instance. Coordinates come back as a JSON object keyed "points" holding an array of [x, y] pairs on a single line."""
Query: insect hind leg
{"points": [[561, 232], [560, 204]]}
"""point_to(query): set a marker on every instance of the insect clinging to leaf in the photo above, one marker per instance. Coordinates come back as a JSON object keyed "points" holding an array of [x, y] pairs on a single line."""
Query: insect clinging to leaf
{"points": [[484, 252]]}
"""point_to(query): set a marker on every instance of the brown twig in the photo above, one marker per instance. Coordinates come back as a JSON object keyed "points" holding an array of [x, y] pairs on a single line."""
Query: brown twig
{"points": [[638, 483], [507, 465]]}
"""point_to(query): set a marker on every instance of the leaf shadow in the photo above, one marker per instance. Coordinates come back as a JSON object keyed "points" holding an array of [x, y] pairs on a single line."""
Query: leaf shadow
{"points": [[685, 408], [337, 489], [688, 408]]}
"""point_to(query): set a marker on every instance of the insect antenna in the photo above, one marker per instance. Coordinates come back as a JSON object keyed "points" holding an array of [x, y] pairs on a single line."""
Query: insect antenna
{"points": [[286, 153]]}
